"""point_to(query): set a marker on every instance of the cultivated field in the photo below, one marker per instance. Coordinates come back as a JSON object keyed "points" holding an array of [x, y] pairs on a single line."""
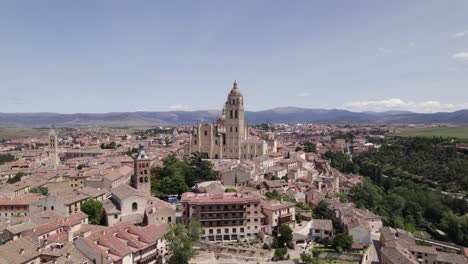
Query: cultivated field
{"points": [[460, 133], [15, 133]]}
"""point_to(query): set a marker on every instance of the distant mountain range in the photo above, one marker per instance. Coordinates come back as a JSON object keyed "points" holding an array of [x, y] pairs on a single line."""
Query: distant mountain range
{"points": [[277, 115]]}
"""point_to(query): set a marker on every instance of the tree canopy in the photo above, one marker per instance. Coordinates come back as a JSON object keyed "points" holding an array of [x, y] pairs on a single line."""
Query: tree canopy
{"points": [[179, 243], [342, 242], [41, 189], [285, 235], [4, 158], [404, 184], [176, 176], [93, 209], [16, 178]]}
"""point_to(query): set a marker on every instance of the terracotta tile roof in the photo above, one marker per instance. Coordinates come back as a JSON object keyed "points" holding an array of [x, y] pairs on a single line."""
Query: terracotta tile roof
{"points": [[207, 198], [21, 250], [276, 205], [322, 224], [124, 238], [25, 199], [451, 258]]}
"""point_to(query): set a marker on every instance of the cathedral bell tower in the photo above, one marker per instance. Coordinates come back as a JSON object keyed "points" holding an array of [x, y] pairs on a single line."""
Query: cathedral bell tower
{"points": [[53, 148], [142, 176], [234, 123]]}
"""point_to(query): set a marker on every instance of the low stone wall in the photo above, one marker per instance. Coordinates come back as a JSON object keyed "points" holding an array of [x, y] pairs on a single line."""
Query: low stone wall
{"points": [[341, 256], [229, 252]]}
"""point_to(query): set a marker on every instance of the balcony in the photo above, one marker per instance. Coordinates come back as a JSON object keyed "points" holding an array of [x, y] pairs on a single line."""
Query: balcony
{"points": [[285, 219]]}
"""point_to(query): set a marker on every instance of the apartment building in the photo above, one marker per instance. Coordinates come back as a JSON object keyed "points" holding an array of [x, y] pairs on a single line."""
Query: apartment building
{"points": [[224, 217]]}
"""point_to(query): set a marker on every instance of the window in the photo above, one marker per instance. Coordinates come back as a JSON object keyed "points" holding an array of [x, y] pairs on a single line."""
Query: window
{"points": [[195, 142], [116, 216], [134, 206], [236, 129], [206, 133], [52, 208], [141, 180], [235, 113], [231, 114], [231, 129], [146, 179]]}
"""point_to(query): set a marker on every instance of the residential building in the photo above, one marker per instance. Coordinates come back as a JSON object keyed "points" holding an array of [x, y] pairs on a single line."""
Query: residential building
{"points": [[224, 217]]}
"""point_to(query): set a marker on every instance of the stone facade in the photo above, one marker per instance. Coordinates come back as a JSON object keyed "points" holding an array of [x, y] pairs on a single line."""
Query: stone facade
{"points": [[53, 148], [142, 172], [224, 217], [227, 138]]}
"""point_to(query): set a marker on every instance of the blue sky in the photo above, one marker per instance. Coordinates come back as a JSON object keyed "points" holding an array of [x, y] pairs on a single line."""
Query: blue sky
{"points": [[110, 56]]}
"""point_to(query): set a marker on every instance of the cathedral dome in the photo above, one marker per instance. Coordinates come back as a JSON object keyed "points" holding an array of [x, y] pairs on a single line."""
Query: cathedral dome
{"points": [[235, 90]]}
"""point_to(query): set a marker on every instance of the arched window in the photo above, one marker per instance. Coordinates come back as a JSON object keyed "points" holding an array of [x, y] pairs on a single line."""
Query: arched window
{"points": [[236, 113], [233, 101], [236, 129], [134, 206], [141, 179], [195, 142], [146, 179], [206, 133], [231, 114]]}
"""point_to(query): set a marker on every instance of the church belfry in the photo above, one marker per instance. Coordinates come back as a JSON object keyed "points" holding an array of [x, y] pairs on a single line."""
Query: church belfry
{"points": [[53, 148], [235, 123], [142, 175]]}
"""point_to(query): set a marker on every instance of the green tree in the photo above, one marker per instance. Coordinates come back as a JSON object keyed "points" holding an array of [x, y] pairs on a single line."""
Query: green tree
{"points": [[195, 230], [230, 190], [306, 258], [280, 253], [310, 147], [176, 176], [321, 210], [342, 242], [16, 178], [4, 158], [41, 190], [93, 209], [179, 244], [285, 235]]}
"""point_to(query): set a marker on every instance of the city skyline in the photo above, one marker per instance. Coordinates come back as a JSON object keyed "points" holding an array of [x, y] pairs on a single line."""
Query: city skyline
{"points": [[88, 57]]}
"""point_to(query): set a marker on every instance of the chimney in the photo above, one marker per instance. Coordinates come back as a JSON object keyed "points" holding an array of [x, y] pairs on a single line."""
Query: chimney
{"points": [[70, 236]]}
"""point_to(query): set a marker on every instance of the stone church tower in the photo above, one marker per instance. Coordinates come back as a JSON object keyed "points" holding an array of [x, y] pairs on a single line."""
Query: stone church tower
{"points": [[53, 148], [227, 138], [236, 132], [142, 176]]}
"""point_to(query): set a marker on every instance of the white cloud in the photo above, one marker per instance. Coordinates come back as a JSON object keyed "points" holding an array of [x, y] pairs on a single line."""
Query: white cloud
{"points": [[304, 94], [12, 100], [384, 51], [399, 104], [460, 34], [460, 56], [179, 107]]}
